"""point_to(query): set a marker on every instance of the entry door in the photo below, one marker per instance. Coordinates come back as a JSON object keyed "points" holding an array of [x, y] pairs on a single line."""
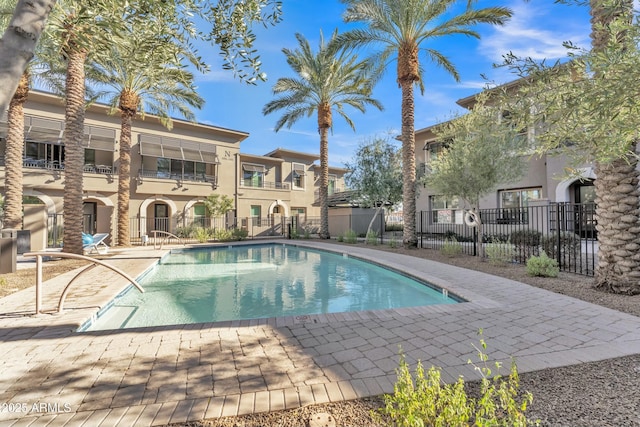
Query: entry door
{"points": [[89, 217], [161, 217], [585, 210]]}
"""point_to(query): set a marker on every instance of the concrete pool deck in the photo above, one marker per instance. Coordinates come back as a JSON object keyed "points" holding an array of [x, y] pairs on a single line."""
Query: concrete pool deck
{"points": [[51, 375]]}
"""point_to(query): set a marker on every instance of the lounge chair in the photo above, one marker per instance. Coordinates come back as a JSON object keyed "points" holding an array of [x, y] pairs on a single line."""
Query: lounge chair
{"points": [[95, 243]]}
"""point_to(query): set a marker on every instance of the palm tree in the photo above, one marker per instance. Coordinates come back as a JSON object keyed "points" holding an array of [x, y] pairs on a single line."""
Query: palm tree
{"points": [[13, 155], [163, 84], [78, 33], [327, 81], [617, 193], [403, 28]]}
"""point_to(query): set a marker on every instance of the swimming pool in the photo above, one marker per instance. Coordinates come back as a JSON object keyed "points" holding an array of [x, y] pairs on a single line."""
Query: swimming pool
{"points": [[260, 281]]}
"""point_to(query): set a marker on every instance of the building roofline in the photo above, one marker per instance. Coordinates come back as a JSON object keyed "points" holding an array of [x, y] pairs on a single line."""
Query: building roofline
{"points": [[291, 153], [49, 97]]}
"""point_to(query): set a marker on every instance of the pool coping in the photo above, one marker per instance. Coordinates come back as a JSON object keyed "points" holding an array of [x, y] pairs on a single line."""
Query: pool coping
{"points": [[155, 376]]}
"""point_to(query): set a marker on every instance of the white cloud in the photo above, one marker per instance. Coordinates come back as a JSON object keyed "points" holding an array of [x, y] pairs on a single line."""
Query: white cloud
{"points": [[537, 32]]}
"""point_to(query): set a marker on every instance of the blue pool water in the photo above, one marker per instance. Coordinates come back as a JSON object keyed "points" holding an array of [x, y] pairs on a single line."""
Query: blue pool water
{"points": [[260, 281]]}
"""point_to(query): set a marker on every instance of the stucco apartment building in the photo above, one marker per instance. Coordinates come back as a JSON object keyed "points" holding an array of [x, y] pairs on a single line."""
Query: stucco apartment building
{"points": [[545, 181], [172, 171]]}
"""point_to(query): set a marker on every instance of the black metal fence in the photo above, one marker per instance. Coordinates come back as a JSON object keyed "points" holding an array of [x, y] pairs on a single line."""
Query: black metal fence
{"points": [[565, 231]]}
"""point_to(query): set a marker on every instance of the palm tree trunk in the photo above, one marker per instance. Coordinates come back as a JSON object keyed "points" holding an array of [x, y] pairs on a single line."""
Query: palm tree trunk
{"points": [[409, 236], [616, 185], [324, 123], [74, 151], [124, 178], [18, 43], [14, 154]]}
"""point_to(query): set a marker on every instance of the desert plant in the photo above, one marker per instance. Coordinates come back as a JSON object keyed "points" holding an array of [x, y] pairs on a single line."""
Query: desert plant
{"points": [[542, 266], [451, 248], [350, 236], [341, 238], [526, 242], [393, 242], [372, 238], [500, 252], [566, 242], [424, 400]]}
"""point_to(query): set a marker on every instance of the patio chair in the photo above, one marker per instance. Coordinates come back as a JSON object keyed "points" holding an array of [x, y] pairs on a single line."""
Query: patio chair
{"points": [[95, 243]]}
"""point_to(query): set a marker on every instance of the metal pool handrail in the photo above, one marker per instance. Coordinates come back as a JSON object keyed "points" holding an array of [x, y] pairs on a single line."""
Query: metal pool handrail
{"points": [[94, 263], [167, 236]]}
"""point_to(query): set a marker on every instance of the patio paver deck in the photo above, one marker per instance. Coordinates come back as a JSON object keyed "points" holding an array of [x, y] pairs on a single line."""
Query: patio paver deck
{"points": [[50, 374]]}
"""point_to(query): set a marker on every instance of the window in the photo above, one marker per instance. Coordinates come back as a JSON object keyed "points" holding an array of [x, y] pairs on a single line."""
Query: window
{"points": [[445, 210], [298, 174], [299, 212], [89, 156], [253, 175], [256, 214], [519, 198], [187, 169], [163, 167], [332, 184], [513, 204], [199, 214]]}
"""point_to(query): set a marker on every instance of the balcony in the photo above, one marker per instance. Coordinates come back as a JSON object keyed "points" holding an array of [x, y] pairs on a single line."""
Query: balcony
{"points": [[250, 183], [177, 177]]}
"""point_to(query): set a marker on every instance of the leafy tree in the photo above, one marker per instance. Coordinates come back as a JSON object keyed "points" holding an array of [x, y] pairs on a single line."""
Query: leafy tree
{"points": [[584, 108], [162, 86], [483, 151], [230, 29], [327, 81], [403, 28], [218, 205], [375, 173]]}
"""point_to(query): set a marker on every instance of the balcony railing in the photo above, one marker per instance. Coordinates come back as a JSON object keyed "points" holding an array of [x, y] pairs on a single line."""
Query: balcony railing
{"points": [[178, 177], [59, 166], [262, 184]]}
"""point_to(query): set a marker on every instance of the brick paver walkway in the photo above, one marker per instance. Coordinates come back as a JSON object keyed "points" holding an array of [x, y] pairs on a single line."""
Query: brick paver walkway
{"points": [[50, 375]]}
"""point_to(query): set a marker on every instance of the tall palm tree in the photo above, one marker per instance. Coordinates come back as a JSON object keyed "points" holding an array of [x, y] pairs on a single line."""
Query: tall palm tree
{"points": [[616, 184], [403, 28], [327, 81], [78, 34], [163, 85], [14, 150]]}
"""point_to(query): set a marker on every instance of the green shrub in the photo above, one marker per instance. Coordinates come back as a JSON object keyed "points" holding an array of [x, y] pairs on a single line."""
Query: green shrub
{"points": [[566, 242], [294, 234], [372, 238], [451, 248], [350, 236], [542, 266], [500, 253], [526, 242], [200, 234], [341, 238], [424, 400], [393, 243], [3, 281], [240, 233], [222, 235]]}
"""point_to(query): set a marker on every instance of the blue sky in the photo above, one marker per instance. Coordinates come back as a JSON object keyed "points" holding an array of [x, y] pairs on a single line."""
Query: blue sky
{"points": [[537, 29]]}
